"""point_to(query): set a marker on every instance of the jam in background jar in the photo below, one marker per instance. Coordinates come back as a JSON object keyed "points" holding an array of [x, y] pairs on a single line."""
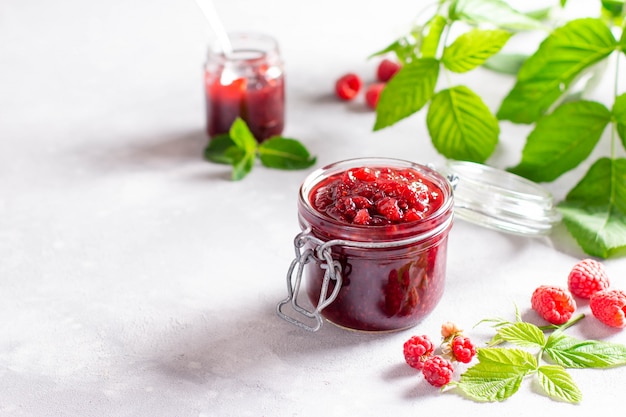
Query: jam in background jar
{"points": [[388, 220], [248, 83]]}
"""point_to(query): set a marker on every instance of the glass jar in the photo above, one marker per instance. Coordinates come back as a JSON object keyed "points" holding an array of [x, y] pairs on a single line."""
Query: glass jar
{"points": [[248, 83], [369, 277]]}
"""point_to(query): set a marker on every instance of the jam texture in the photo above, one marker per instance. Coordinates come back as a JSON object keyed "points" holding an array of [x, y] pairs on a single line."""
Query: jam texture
{"points": [[370, 196]]}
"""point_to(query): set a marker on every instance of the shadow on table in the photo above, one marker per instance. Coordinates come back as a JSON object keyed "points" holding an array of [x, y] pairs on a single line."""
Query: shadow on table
{"points": [[166, 149], [243, 341]]}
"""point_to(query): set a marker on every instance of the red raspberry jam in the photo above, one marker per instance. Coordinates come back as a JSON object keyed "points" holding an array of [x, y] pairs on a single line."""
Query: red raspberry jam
{"points": [[248, 83], [388, 222]]}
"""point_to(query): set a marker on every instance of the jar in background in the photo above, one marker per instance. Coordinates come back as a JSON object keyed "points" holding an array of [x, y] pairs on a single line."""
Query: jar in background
{"points": [[370, 277], [248, 83]]}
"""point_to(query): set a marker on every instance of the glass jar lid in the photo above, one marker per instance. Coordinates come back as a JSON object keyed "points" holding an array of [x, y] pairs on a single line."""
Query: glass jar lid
{"points": [[501, 200]]}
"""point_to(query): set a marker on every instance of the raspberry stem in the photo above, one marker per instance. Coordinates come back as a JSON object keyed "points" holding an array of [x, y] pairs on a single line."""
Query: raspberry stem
{"points": [[565, 325]]}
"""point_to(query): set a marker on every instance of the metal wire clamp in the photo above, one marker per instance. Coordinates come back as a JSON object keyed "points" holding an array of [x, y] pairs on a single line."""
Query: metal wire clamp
{"points": [[321, 253]]}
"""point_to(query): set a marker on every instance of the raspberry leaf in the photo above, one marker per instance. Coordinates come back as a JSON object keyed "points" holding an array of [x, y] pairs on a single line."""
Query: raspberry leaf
{"points": [[562, 140], [284, 153], [558, 384], [561, 57], [496, 12], [573, 353], [430, 42], [461, 126], [407, 92], [498, 373], [471, 49], [506, 63], [619, 112], [594, 211], [523, 334]]}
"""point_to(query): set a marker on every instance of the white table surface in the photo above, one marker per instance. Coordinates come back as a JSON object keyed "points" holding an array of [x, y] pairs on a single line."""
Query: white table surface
{"points": [[137, 280]]}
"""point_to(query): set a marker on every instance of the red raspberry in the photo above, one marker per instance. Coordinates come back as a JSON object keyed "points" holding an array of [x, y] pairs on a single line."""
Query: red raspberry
{"points": [[609, 306], [438, 371], [416, 350], [386, 70], [348, 86], [553, 304], [463, 349], [586, 278], [372, 94]]}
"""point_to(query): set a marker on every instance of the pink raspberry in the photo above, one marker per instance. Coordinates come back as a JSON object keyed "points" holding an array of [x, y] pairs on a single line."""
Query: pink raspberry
{"points": [[449, 329], [553, 304], [416, 350], [463, 349], [609, 306], [586, 278], [438, 371]]}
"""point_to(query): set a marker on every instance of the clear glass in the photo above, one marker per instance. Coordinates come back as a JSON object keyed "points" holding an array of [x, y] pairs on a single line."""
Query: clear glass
{"points": [[247, 83], [397, 278], [501, 200]]}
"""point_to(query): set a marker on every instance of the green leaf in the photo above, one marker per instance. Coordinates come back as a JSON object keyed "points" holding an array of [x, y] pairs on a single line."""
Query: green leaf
{"points": [[614, 7], [242, 136], [472, 48], [430, 43], [573, 353], [594, 211], [619, 113], [523, 334], [222, 149], [505, 63], [405, 48], [284, 153], [461, 125], [562, 140], [498, 373], [242, 167], [558, 384], [539, 14], [407, 92], [561, 57], [495, 12]]}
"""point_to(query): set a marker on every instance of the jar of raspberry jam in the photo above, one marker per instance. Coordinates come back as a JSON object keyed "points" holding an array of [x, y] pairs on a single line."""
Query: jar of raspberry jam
{"points": [[372, 246], [247, 82]]}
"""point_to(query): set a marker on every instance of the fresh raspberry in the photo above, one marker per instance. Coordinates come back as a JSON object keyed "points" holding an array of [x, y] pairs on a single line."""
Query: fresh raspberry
{"points": [[386, 70], [348, 86], [416, 350], [586, 278], [609, 306], [372, 94], [438, 371], [463, 349], [553, 304]]}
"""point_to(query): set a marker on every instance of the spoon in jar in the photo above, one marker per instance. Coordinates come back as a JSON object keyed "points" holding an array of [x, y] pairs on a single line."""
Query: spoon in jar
{"points": [[208, 9]]}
